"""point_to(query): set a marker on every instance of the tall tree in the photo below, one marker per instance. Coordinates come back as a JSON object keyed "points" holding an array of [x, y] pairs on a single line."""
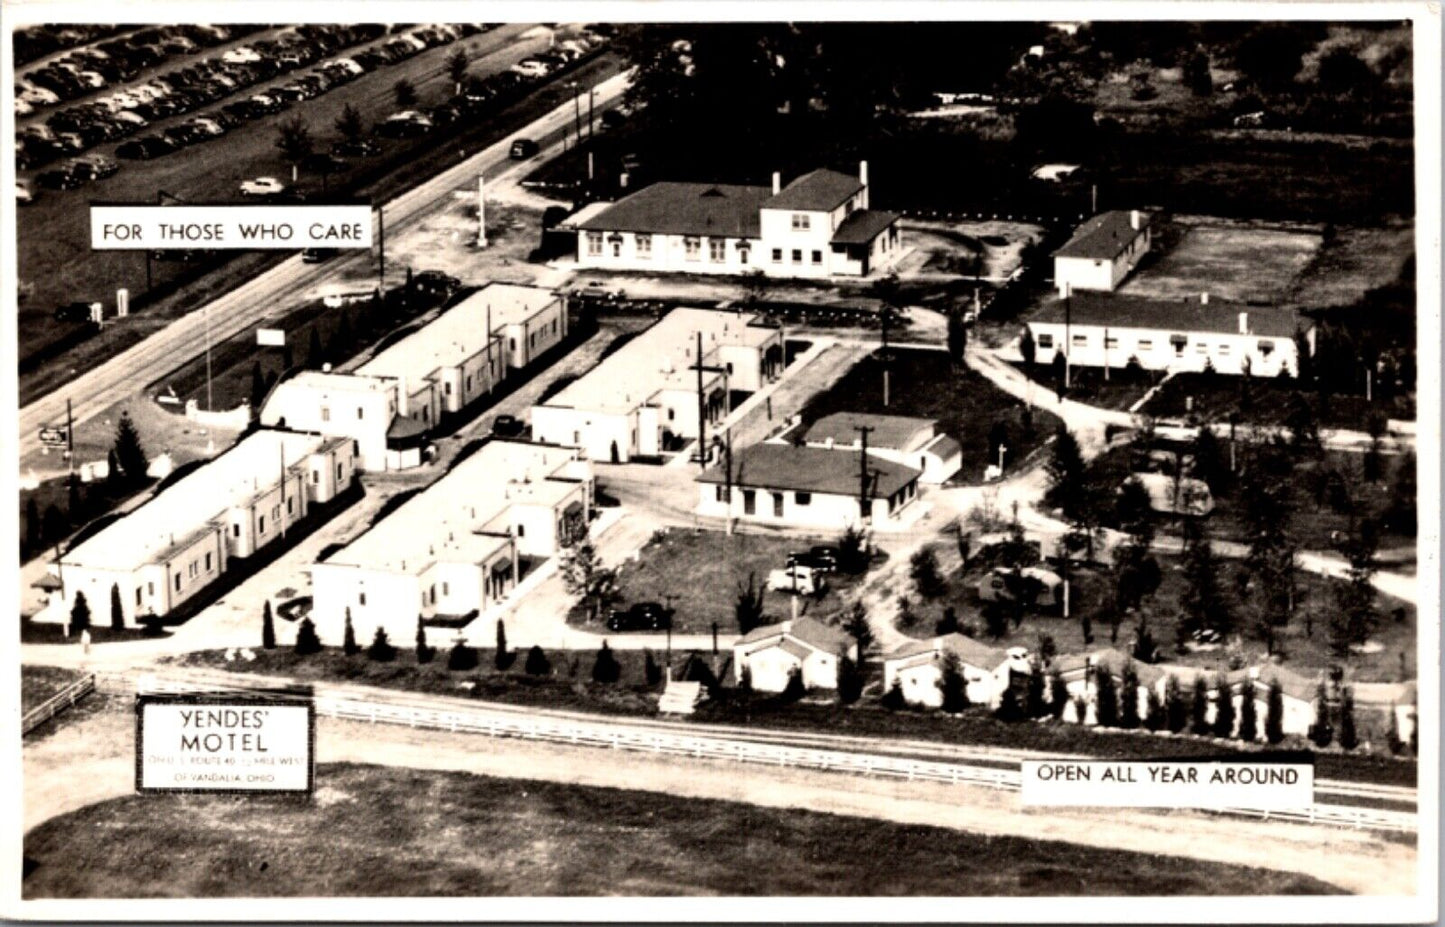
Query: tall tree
{"points": [[79, 614], [348, 639], [957, 340], [117, 611], [1274, 713], [129, 452], [294, 141], [1106, 698], [951, 684], [307, 642], [1248, 712], [1223, 708], [748, 605], [585, 576], [1349, 738], [1202, 603], [268, 627], [605, 668], [350, 123], [1067, 473], [1199, 706], [1176, 710], [1356, 616], [405, 93], [1321, 731], [457, 63], [424, 651], [856, 626]]}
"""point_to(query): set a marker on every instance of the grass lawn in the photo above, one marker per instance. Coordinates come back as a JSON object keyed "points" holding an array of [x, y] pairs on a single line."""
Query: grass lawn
{"points": [[965, 404], [372, 830], [1120, 391], [1215, 398], [38, 683], [700, 573]]}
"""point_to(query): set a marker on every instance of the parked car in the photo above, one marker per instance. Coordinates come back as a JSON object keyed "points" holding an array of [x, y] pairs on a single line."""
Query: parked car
{"points": [[803, 580], [406, 124], [59, 179], [523, 148], [822, 558], [530, 67], [1045, 585], [641, 616], [93, 167], [262, 186], [75, 312], [317, 255], [361, 148], [435, 283], [507, 426]]}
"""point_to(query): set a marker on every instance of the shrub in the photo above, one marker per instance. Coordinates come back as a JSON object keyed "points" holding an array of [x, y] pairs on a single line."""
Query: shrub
{"points": [[1199, 707], [1155, 719], [1349, 737], [1058, 693], [794, 689], [537, 663], [1223, 708], [951, 684], [923, 569], [748, 606], [852, 551], [1320, 732], [1034, 704], [504, 658], [1008, 706], [462, 658], [1392, 733], [1248, 719], [1176, 710], [348, 641], [307, 642], [381, 649], [1081, 708], [893, 698], [606, 669], [1129, 699], [268, 627], [424, 651], [79, 614], [1106, 699], [948, 624], [117, 613], [1274, 714], [850, 680], [651, 671]]}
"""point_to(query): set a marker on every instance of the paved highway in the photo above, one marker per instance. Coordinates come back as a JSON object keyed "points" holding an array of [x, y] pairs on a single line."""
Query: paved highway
{"points": [[264, 296]]}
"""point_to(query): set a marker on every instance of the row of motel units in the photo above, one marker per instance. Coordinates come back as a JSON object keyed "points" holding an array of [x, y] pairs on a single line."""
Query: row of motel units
{"points": [[1103, 251], [644, 397], [456, 547], [787, 485], [819, 225], [913, 442], [917, 668], [1177, 335], [771, 653], [166, 550], [390, 403]]}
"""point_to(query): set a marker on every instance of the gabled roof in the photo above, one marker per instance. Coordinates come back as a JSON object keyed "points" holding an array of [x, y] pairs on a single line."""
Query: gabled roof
{"points": [[893, 432], [821, 190], [811, 469], [968, 650], [1105, 236], [672, 208], [808, 631], [1120, 311], [862, 226]]}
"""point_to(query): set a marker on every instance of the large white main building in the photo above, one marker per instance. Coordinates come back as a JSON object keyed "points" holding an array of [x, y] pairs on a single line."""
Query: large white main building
{"points": [[819, 225]]}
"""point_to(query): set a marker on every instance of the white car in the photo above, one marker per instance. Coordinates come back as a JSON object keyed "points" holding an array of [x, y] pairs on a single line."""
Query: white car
{"points": [[262, 186], [241, 55], [530, 68], [797, 578], [23, 193]]}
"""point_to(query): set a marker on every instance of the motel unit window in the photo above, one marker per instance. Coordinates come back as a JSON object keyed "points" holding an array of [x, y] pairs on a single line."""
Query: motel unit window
{"points": [[1265, 347], [137, 596], [361, 598], [446, 389], [803, 498], [1224, 350], [325, 413], [1178, 341], [777, 255], [1111, 342], [716, 250], [289, 505], [446, 588], [338, 471], [817, 257], [469, 382], [744, 254], [1081, 341], [691, 248], [802, 222], [315, 477], [797, 255], [236, 530], [178, 582], [275, 512], [594, 243], [261, 525], [360, 413], [1146, 344], [1046, 341], [723, 494], [150, 588], [1202, 348], [644, 246], [208, 563], [192, 570], [616, 245]]}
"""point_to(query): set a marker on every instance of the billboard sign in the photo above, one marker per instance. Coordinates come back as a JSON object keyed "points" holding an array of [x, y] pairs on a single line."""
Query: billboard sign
{"points": [[225, 743]]}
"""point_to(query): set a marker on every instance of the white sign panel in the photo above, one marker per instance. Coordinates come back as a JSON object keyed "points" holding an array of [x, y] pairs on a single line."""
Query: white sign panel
{"points": [[1164, 784], [203, 743], [271, 337], [128, 228]]}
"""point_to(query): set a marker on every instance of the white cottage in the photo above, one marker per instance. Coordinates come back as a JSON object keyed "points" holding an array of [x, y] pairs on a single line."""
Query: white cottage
{"points": [[917, 668], [771, 653]]}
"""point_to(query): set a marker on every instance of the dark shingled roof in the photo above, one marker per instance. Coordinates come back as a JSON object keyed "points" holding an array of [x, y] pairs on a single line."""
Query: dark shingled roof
{"points": [[862, 226], [811, 469], [1105, 236], [702, 209], [1117, 310], [819, 190]]}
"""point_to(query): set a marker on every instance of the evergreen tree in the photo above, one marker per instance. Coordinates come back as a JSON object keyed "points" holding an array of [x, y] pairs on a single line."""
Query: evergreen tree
{"points": [[1034, 704], [307, 642], [405, 93], [1223, 708], [1202, 602], [1176, 709], [1349, 737], [268, 627], [1392, 732], [856, 626], [1067, 473], [258, 388], [537, 663], [1081, 709], [117, 611], [794, 690], [651, 672], [1321, 731], [348, 640], [1129, 698], [502, 659], [1199, 707], [462, 657], [948, 624], [1008, 706], [1356, 615], [893, 698], [923, 569], [1106, 698], [424, 651], [745, 681], [129, 452], [1274, 714], [748, 605], [606, 669], [79, 614], [1027, 349], [1058, 693], [850, 679], [1154, 718], [381, 649], [951, 684], [1248, 714]]}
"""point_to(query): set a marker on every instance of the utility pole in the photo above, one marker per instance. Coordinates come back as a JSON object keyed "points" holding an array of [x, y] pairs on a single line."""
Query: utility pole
{"points": [[1106, 354], [282, 448], [1068, 339], [381, 242], [702, 415], [481, 211], [69, 440], [728, 478], [864, 509], [591, 98], [887, 358], [207, 319]]}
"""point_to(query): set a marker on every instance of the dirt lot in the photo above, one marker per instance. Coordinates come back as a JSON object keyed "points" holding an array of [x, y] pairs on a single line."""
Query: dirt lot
{"points": [[373, 830], [1230, 260], [992, 250]]}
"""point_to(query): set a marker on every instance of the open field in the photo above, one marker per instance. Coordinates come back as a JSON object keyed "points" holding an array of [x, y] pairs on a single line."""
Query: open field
{"points": [[700, 573], [1234, 261], [1352, 262], [38, 683], [377, 831], [965, 404]]}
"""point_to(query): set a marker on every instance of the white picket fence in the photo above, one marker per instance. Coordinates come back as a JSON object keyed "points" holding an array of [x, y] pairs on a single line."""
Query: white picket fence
{"points": [[622, 736], [57, 703]]}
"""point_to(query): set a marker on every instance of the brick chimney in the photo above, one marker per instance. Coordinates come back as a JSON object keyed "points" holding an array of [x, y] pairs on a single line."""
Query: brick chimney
{"points": [[1135, 220], [777, 183], [863, 173]]}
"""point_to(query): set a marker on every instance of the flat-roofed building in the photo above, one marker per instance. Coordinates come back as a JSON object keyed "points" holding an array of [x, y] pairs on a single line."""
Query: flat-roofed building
{"points": [[455, 548], [166, 550], [392, 401], [643, 399], [781, 484]]}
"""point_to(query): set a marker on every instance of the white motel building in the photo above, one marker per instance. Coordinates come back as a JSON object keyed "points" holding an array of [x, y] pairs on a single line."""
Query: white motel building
{"points": [[168, 549], [643, 399], [1181, 335], [456, 547], [390, 403], [819, 225], [1103, 251]]}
